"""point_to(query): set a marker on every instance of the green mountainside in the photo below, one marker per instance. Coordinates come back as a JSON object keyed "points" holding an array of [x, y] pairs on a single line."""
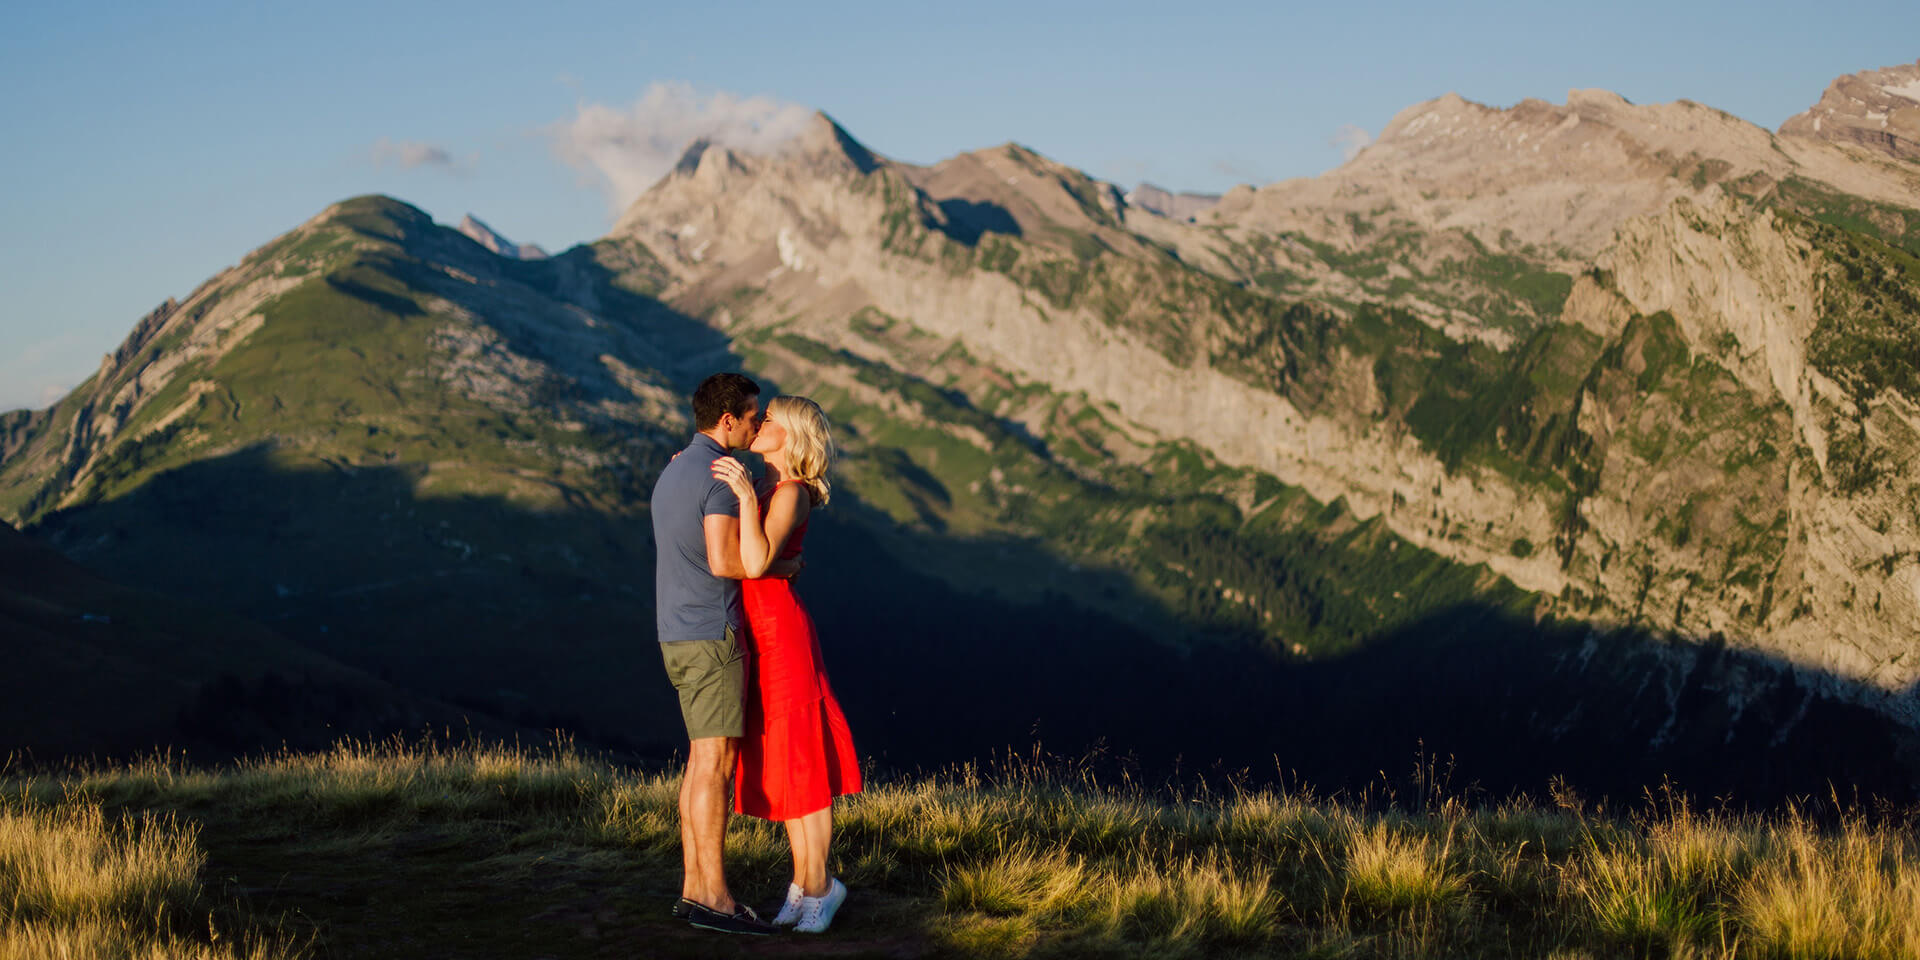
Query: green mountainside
{"points": [[1507, 498]]}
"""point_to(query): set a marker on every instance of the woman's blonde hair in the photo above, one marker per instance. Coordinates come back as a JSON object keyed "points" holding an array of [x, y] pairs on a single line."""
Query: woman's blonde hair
{"points": [[809, 442]]}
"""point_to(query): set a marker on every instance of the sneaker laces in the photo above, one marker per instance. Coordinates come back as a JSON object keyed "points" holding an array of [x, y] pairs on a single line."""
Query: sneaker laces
{"points": [[811, 908], [814, 909], [790, 910]]}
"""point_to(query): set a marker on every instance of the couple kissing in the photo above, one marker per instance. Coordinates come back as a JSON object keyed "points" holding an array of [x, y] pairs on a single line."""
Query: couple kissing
{"points": [[742, 652]]}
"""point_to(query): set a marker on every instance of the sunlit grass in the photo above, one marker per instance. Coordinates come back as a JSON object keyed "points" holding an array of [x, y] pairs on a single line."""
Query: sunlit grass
{"points": [[76, 883], [1812, 895], [1395, 870], [1028, 861]]}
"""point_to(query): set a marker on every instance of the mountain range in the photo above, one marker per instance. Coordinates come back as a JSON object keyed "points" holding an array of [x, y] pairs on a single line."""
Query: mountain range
{"points": [[1568, 438]]}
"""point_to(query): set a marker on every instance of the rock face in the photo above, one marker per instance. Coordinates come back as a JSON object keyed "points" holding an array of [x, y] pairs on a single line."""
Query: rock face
{"points": [[1558, 177], [1650, 446], [1753, 297], [1875, 109], [1179, 206], [486, 236]]}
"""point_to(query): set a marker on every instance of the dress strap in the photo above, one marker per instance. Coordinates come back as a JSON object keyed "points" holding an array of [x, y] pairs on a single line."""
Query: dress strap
{"points": [[783, 483]]}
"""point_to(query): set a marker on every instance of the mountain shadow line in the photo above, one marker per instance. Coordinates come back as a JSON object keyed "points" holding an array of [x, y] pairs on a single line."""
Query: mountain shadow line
{"points": [[544, 616]]}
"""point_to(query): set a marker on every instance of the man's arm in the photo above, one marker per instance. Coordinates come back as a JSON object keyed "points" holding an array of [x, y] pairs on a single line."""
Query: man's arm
{"points": [[723, 546]]}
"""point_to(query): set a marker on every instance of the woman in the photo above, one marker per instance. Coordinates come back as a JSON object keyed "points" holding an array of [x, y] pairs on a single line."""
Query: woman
{"points": [[797, 754]]}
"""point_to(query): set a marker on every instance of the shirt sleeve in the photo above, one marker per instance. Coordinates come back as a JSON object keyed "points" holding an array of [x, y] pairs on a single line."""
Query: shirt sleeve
{"points": [[720, 501]]}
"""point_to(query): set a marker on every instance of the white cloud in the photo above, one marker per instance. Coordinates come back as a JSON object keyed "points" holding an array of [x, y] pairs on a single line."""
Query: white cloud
{"points": [[624, 150], [1351, 140], [408, 154]]}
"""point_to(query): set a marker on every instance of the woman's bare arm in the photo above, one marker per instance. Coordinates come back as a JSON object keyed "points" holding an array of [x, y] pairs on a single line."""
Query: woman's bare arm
{"points": [[755, 552]]}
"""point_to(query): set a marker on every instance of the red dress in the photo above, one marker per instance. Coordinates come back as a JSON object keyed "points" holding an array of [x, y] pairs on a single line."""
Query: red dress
{"points": [[798, 753]]}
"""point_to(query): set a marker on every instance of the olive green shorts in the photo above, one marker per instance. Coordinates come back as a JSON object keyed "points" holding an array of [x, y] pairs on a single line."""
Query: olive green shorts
{"points": [[711, 677]]}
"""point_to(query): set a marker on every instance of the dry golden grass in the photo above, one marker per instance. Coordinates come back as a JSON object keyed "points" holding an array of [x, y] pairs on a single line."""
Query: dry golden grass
{"points": [[123, 941], [70, 864], [76, 884], [1206, 900], [1391, 870], [1812, 895], [1017, 883], [1027, 864]]}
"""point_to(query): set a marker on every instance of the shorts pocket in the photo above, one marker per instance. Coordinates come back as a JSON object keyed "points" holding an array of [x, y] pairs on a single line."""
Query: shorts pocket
{"points": [[728, 649]]}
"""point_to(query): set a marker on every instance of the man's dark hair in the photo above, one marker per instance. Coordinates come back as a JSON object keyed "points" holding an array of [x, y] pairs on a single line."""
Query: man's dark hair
{"points": [[721, 394]]}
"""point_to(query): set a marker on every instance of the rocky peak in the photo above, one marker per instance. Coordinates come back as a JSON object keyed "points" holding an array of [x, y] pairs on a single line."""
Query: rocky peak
{"points": [[1875, 109], [826, 142], [1014, 190], [477, 231], [1556, 177]]}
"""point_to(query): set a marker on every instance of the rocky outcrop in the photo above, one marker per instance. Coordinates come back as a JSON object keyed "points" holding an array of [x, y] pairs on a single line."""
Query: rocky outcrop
{"points": [[1558, 178], [1875, 109], [1747, 291], [1179, 206], [486, 236]]}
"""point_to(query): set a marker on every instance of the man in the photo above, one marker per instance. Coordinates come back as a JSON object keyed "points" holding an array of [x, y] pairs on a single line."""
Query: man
{"points": [[696, 531]]}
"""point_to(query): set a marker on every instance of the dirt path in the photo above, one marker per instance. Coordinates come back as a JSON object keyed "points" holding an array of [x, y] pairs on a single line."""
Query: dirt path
{"points": [[459, 892]]}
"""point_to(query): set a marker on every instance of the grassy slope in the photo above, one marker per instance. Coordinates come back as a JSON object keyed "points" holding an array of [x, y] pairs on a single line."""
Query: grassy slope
{"points": [[334, 485], [425, 852]]}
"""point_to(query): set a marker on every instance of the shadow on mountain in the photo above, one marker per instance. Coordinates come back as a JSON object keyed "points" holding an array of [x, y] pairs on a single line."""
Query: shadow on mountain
{"points": [[538, 616], [968, 220], [97, 667], [1504, 703], [544, 617], [856, 152], [346, 284], [585, 276]]}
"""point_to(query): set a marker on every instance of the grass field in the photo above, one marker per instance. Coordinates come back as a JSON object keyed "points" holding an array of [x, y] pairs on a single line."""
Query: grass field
{"points": [[427, 851]]}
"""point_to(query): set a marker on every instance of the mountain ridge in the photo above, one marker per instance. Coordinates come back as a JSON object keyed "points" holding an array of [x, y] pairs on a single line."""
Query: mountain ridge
{"points": [[1269, 438], [1329, 453], [1878, 110]]}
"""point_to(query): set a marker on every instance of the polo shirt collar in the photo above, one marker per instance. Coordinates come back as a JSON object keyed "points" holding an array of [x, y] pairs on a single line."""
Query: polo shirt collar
{"points": [[701, 439]]}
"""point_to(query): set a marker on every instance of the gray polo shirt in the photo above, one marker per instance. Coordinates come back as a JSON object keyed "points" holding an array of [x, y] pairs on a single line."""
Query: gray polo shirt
{"points": [[692, 603]]}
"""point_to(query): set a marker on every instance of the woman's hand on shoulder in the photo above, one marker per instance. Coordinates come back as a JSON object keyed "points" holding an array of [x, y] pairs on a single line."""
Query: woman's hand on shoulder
{"points": [[734, 474]]}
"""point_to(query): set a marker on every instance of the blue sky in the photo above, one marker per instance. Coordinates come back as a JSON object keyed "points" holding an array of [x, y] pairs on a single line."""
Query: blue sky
{"points": [[150, 145]]}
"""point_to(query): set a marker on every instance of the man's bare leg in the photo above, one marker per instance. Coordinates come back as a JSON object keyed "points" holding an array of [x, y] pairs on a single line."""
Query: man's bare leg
{"points": [[704, 805]]}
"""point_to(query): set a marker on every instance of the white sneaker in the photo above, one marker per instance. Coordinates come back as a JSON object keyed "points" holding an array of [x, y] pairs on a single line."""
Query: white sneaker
{"points": [[817, 912], [790, 911]]}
